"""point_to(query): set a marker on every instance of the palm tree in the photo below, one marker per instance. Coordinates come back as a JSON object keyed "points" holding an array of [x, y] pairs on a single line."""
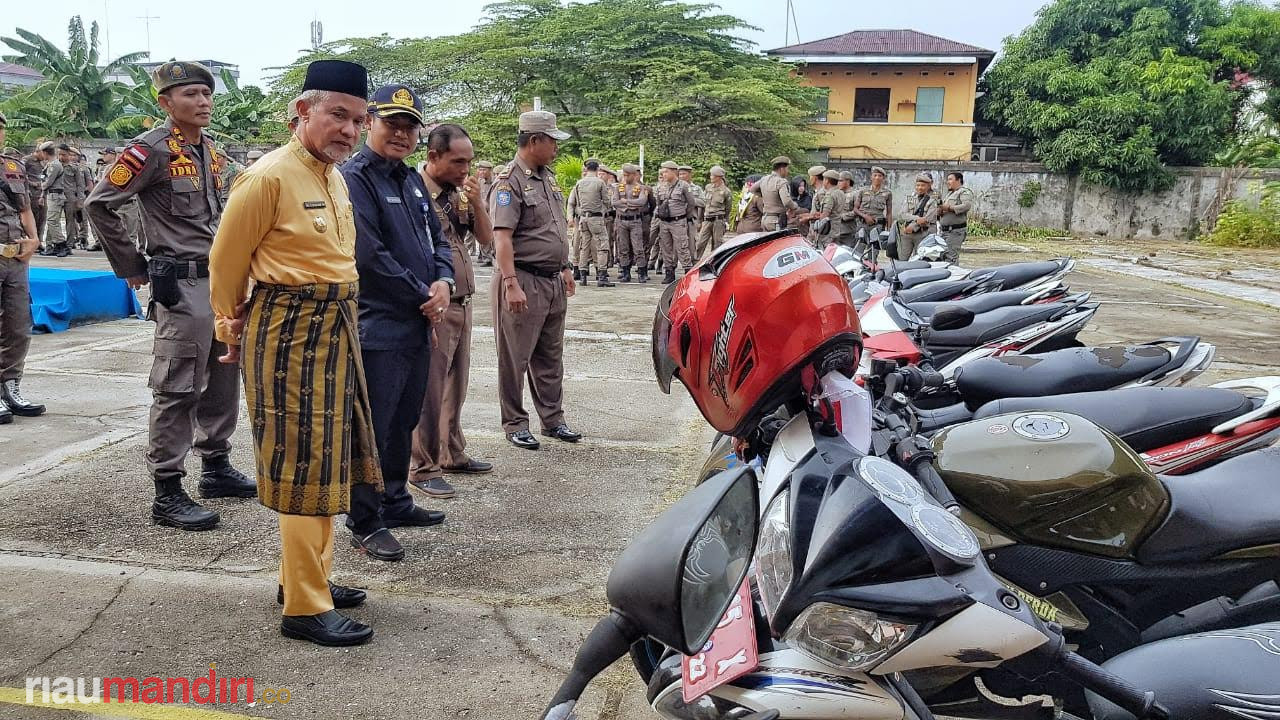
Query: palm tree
{"points": [[90, 99]]}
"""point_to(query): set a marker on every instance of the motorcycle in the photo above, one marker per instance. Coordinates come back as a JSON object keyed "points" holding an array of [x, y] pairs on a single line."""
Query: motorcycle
{"points": [[865, 589]]}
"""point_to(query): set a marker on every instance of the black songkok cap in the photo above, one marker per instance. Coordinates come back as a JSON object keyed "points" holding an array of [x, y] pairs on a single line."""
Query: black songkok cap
{"points": [[338, 76]]}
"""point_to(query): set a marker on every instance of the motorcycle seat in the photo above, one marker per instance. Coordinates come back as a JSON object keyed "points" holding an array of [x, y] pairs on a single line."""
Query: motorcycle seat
{"points": [[1146, 418], [1218, 675], [1228, 506], [995, 324], [914, 278], [1015, 274], [893, 269], [984, 302], [937, 290], [1072, 370]]}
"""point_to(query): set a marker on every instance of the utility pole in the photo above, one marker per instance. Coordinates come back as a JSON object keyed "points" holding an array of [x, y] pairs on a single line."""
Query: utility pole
{"points": [[147, 18]]}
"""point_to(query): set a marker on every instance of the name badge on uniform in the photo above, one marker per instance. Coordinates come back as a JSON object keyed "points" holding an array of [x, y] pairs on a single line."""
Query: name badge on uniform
{"points": [[393, 200], [313, 205]]}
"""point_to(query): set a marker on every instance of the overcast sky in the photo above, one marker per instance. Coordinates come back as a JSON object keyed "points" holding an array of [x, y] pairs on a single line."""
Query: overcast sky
{"points": [[260, 35]]}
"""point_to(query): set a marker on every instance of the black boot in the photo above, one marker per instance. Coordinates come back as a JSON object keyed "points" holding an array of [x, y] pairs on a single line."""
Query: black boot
{"points": [[577, 274], [602, 280], [625, 274], [644, 274], [220, 479], [11, 395], [175, 508], [6, 417], [669, 276]]}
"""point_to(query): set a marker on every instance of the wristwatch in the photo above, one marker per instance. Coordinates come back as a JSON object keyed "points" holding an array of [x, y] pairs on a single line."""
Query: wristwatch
{"points": [[452, 284]]}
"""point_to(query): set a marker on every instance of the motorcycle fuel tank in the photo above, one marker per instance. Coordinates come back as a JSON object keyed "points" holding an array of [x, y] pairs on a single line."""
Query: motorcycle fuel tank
{"points": [[1053, 479]]}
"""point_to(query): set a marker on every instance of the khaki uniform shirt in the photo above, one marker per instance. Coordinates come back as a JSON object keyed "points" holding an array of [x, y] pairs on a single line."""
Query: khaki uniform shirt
{"points": [[179, 186], [925, 206], [633, 198], [961, 201], [775, 194], [528, 202], [678, 196], [61, 178], [589, 195], [835, 203], [876, 203], [289, 222], [34, 170], [718, 200], [87, 180], [456, 223], [13, 199]]}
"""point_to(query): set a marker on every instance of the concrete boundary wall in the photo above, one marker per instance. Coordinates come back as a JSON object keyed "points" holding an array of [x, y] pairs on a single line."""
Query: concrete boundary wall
{"points": [[1069, 204]]}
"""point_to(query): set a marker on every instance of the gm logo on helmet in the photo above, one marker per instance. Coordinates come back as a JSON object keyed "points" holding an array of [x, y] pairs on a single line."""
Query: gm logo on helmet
{"points": [[789, 260]]}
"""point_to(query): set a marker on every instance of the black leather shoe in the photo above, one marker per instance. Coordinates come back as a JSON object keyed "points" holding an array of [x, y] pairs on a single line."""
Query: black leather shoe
{"points": [[473, 467], [524, 439], [562, 432], [343, 597], [624, 275], [220, 479], [417, 517], [180, 511], [643, 276], [6, 417], [379, 544], [669, 276], [11, 395], [331, 629], [602, 280]]}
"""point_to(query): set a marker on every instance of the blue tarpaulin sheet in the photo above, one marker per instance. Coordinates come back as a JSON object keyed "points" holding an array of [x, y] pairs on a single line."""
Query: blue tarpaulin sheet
{"points": [[60, 298]]}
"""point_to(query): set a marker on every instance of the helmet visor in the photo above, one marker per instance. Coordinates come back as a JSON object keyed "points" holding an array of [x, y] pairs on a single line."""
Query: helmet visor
{"points": [[664, 366]]}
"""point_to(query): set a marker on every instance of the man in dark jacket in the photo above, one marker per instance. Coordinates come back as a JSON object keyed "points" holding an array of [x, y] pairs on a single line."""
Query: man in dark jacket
{"points": [[406, 280]]}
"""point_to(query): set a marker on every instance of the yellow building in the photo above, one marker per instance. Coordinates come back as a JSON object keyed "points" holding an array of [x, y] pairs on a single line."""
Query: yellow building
{"points": [[892, 94]]}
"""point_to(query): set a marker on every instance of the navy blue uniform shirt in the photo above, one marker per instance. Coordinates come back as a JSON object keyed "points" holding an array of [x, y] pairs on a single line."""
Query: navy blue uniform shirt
{"points": [[400, 250]]}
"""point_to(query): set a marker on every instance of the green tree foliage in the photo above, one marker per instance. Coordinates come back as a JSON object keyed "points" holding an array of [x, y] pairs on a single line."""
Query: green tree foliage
{"points": [[1118, 89], [246, 114], [75, 85], [670, 75]]}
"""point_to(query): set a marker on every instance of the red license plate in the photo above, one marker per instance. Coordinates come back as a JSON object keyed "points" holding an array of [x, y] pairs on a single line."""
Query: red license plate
{"points": [[728, 655]]}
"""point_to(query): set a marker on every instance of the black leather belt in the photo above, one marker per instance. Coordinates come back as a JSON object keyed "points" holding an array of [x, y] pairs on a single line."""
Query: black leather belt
{"points": [[588, 214], [535, 270], [713, 217], [953, 227], [191, 269], [677, 218], [610, 214], [630, 217], [51, 190]]}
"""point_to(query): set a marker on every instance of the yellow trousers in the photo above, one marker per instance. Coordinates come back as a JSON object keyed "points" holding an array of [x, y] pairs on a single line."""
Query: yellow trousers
{"points": [[306, 557]]}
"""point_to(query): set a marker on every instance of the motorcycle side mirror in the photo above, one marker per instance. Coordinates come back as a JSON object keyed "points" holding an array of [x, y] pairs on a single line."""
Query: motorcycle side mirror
{"points": [[674, 581], [951, 317]]}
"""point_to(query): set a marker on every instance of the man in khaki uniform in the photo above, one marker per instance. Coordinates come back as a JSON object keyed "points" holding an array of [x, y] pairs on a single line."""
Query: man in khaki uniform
{"points": [[438, 443], [61, 185], [34, 167], [632, 204], [831, 204], [175, 172], [816, 188], [532, 283], [484, 175], [685, 173], [675, 200], [775, 194], [610, 179], [588, 204], [919, 214], [715, 215], [872, 208], [87, 180], [954, 221], [18, 242]]}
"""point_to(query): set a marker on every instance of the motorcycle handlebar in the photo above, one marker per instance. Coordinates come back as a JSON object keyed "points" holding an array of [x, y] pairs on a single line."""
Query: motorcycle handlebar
{"points": [[1141, 704], [933, 483]]}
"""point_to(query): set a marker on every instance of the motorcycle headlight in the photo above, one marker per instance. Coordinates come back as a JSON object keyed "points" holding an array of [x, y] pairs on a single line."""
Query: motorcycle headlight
{"points": [[846, 638], [773, 554]]}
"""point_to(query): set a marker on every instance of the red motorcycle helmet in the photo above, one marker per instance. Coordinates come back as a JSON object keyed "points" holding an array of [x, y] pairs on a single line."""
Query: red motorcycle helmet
{"points": [[740, 328]]}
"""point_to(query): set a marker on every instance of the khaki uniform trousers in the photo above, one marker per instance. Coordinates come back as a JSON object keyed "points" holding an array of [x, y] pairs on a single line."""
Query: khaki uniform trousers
{"points": [[631, 243], [955, 241], [61, 213], [772, 222], [15, 317], [530, 344], [195, 398], [673, 239], [907, 243], [710, 235], [306, 558], [593, 242], [437, 440]]}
